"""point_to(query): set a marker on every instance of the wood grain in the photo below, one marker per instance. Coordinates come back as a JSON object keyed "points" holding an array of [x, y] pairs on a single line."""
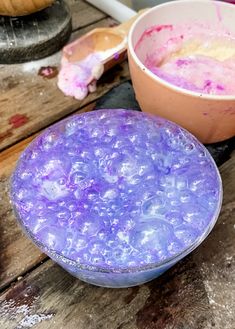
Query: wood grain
{"points": [[19, 7], [197, 293], [84, 14]]}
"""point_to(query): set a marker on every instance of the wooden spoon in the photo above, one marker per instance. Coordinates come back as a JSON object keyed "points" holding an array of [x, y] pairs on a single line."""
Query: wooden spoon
{"points": [[86, 59], [110, 42]]}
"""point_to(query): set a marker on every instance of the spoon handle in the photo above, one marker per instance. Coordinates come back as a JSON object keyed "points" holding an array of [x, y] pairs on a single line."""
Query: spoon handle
{"points": [[124, 28], [114, 8]]}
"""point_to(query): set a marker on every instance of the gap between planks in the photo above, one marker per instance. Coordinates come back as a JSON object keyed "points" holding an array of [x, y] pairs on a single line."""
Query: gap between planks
{"points": [[18, 255]]}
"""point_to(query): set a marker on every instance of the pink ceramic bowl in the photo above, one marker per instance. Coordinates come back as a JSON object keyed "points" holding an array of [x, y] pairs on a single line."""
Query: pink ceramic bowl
{"points": [[211, 118]]}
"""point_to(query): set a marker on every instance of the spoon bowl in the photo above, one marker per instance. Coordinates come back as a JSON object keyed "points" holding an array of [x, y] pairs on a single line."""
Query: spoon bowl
{"points": [[110, 42], [87, 58]]}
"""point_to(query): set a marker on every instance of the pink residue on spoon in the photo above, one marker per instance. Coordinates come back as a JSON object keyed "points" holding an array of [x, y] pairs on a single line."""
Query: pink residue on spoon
{"points": [[77, 79]]}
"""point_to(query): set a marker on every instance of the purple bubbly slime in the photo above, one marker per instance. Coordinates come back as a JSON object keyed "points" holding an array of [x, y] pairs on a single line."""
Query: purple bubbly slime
{"points": [[116, 189]]}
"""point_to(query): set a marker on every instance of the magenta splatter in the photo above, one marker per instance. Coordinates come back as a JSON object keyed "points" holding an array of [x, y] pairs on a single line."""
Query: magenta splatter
{"points": [[207, 86], [18, 120], [48, 72]]}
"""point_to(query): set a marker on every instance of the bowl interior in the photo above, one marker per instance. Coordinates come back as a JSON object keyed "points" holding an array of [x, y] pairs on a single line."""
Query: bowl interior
{"points": [[166, 17]]}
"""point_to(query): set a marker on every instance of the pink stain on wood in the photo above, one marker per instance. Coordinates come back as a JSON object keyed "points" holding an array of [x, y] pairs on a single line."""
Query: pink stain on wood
{"points": [[18, 120], [48, 72]]}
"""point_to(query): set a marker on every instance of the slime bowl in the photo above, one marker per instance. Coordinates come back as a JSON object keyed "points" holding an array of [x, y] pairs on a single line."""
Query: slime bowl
{"points": [[116, 197], [209, 117]]}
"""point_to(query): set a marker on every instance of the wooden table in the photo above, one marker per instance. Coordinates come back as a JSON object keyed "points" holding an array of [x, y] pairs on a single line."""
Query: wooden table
{"points": [[198, 293]]}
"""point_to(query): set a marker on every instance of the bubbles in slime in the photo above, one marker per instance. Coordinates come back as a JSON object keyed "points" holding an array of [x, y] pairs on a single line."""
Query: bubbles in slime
{"points": [[116, 196]]}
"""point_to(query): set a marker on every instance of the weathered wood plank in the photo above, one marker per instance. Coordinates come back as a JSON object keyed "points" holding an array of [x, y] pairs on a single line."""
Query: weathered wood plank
{"points": [[198, 293], [29, 102]]}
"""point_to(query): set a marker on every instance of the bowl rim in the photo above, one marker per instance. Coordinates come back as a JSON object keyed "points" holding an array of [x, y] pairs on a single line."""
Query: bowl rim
{"points": [[164, 83], [168, 262]]}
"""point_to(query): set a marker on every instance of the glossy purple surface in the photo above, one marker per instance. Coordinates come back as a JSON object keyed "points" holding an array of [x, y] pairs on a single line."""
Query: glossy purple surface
{"points": [[116, 189]]}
